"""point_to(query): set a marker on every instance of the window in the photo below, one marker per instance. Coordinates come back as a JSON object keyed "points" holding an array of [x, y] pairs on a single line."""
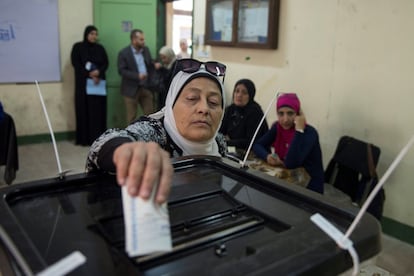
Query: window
{"points": [[242, 23]]}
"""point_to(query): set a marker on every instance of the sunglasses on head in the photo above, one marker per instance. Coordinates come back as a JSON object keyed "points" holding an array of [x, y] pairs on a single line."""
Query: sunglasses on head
{"points": [[190, 65]]}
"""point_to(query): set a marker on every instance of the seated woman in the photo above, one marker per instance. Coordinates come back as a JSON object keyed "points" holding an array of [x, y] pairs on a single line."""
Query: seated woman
{"points": [[296, 143], [243, 116], [188, 124]]}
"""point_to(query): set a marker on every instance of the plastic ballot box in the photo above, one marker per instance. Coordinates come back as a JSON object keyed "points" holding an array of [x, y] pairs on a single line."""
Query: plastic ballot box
{"points": [[224, 219]]}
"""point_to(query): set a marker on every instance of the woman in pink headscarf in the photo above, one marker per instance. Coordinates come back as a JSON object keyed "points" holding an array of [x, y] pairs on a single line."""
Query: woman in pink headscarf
{"points": [[295, 143]]}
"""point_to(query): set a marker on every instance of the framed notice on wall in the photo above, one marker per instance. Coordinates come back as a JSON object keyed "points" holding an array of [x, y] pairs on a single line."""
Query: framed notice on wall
{"points": [[29, 41], [242, 23]]}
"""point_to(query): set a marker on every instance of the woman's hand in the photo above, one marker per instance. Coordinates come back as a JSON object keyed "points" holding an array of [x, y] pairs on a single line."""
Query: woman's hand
{"points": [[96, 80], [141, 166], [300, 121], [94, 73], [274, 160]]}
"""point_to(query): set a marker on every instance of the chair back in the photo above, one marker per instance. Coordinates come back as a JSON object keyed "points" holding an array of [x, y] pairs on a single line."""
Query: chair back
{"points": [[352, 169]]}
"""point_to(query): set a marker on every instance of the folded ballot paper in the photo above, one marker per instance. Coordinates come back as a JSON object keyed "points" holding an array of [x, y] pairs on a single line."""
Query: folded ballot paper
{"points": [[147, 225]]}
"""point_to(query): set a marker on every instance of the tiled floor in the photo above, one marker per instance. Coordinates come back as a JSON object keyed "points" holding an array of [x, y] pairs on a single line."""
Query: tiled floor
{"points": [[38, 161]]}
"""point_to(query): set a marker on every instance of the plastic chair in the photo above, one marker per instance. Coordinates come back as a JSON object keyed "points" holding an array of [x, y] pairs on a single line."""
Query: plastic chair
{"points": [[352, 170]]}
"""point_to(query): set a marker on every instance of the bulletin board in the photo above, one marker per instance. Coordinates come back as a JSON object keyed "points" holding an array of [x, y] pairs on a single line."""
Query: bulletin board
{"points": [[242, 23], [29, 41]]}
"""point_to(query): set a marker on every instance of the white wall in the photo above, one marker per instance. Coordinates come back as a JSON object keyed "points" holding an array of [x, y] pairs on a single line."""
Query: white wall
{"points": [[351, 62], [22, 101]]}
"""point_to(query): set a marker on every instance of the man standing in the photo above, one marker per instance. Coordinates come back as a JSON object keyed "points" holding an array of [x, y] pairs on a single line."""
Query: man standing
{"points": [[136, 67]]}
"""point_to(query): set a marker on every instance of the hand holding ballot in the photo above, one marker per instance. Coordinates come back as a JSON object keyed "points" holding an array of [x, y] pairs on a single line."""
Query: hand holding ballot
{"points": [[144, 168], [147, 225]]}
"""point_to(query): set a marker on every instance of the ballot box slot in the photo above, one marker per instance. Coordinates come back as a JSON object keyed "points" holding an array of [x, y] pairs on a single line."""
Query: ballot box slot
{"points": [[232, 231], [208, 205], [193, 229], [204, 221]]}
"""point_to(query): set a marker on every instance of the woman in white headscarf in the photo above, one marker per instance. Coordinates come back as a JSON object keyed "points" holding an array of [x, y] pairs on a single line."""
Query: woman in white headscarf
{"points": [[167, 57], [187, 125], [164, 71]]}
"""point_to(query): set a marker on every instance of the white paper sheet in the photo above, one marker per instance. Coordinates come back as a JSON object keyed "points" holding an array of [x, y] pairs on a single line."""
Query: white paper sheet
{"points": [[147, 226]]}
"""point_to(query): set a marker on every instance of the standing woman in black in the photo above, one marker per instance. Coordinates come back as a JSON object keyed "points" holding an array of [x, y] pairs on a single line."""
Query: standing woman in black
{"points": [[89, 60]]}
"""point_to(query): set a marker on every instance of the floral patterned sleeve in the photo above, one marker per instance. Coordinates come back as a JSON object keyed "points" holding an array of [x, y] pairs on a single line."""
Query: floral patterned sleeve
{"points": [[222, 144], [146, 129]]}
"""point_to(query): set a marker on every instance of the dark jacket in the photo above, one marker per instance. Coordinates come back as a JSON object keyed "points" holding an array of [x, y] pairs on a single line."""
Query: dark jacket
{"points": [[304, 151], [1, 112], [240, 123], [8, 148], [162, 83], [128, 70]]}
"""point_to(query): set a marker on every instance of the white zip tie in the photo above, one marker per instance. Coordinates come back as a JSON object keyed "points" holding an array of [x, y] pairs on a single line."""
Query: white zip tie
{"points": [[342, 241], [50, 130], [64, 265], [257, 129], [21, 262]]}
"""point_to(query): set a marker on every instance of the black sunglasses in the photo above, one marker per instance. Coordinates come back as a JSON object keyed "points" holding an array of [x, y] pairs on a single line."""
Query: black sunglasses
{"points": [[190, 65]]}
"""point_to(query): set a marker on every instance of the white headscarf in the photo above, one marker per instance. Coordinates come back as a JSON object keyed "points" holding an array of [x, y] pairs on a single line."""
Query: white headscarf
{"points": [[169, 53], [209, 147]]}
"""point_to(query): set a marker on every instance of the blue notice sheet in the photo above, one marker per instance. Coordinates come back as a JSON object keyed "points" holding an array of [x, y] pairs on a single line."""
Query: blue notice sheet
{"points": [[98, 89]]}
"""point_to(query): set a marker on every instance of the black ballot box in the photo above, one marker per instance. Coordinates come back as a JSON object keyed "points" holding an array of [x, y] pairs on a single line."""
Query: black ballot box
{"points": [[225, 220]]}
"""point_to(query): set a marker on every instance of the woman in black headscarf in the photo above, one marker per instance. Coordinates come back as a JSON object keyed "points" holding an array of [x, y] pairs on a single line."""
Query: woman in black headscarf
{"points": [[243, 116], [89, 60]]}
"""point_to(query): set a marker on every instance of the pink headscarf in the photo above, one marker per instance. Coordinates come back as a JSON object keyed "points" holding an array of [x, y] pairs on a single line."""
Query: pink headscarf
{"points": [[284, 137], [290, 100]]}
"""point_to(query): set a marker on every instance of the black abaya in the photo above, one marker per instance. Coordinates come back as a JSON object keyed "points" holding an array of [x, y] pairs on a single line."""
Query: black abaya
{"points": [[90, 110]]}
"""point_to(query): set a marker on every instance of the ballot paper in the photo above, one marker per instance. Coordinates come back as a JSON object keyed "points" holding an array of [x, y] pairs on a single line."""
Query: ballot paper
{"points": [[147, 225]]}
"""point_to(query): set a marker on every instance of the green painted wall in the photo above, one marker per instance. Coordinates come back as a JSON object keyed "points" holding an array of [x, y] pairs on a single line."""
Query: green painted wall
{"points": [[115, 19]]}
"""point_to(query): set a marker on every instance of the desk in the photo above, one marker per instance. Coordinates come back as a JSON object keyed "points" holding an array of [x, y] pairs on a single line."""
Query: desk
{"points": [[8, 148], [297, 176]]}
